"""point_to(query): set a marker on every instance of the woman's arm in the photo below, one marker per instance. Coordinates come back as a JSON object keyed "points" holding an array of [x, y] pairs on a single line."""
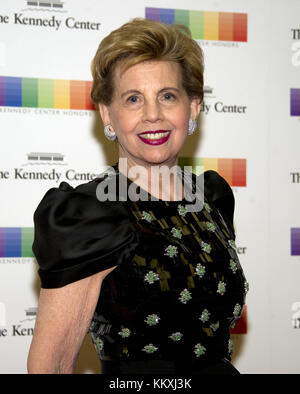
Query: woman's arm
{"points": [[63, 319]]}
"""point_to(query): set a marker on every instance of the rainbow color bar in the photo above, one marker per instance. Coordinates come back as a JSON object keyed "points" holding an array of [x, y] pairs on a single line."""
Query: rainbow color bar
{"points": [[295, 241], [45, 93], [205, 25], [16, 241], [295, 102], [232, 170]]}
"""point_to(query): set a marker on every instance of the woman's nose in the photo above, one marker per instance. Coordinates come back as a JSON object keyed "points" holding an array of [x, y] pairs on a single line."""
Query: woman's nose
{"points": [[152, 111]]}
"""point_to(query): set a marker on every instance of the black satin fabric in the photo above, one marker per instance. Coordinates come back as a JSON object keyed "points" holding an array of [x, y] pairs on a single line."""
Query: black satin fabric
{"points": [[137, 319], [76, 236], [169, 367]]}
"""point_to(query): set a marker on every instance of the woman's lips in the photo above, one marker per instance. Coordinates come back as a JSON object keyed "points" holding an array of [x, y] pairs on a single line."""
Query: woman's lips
{"points": [[156, 137]]}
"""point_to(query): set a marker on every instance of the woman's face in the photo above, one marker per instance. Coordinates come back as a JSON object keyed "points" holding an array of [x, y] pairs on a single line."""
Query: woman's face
{"points": [[149, 112]]}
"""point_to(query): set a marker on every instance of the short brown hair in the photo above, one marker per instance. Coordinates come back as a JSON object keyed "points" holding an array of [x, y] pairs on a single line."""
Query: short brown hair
{"points": [[143, 40]]}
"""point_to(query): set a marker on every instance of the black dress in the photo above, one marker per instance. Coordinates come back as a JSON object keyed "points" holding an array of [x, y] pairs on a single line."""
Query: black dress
{"points": [[178, 287]]}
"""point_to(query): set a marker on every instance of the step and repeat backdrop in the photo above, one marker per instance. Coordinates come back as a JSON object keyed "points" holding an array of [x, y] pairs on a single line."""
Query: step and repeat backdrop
{"points": [[249, 131]]}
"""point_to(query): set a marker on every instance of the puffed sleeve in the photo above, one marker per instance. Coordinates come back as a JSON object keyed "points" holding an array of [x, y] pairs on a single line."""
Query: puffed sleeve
{"points": [[220, 193], [76, 236]]}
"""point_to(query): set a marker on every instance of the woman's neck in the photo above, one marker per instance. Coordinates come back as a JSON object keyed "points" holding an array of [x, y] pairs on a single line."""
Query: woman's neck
{"points": [[161, 181]]}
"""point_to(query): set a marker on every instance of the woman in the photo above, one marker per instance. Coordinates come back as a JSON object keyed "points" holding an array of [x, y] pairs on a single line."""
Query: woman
{"points": [[171, 284]]}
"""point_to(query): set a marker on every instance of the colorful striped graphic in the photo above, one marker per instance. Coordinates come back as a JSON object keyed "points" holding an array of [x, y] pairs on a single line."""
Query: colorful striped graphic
{"points": [[232, 170], [295, 102], [295, 241], [45, 93], [205, 25], [16, 241]]}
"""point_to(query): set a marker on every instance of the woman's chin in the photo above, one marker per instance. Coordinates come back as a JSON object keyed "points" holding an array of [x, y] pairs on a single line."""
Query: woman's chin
{"points": [[157, 161]]}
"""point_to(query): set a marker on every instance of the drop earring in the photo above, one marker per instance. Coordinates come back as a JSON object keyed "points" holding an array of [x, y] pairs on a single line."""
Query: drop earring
{"points": [[109, 133], [192, 126]]}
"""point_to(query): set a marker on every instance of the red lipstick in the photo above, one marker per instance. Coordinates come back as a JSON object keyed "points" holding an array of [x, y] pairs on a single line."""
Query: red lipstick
{"points": [[156, 137]]}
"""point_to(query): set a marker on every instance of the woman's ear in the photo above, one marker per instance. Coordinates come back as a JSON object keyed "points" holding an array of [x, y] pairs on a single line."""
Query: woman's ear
{"points": [[104, 112], [195, 107]]}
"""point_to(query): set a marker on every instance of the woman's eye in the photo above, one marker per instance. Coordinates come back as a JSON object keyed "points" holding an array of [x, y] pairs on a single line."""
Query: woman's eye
{"points": [[132, 99], [169, 96]]}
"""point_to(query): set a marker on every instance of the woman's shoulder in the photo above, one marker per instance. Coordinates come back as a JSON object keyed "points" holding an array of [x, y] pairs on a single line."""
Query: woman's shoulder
{"points": [[81, 206], [211, 184], [84, 199], [76, 235], [216, 186], [219, 192]]}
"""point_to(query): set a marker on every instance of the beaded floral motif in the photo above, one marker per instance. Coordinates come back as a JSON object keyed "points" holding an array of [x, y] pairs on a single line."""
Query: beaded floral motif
{"points": [[233, 266], [99, 344], [230, 346], [182, 210], [152, 320], [124, 333], [147, 216], [207, 207], [232, 325], [221, 287], [232, 243], [149, 348], [246, 286], [200, 270], [151, 277], [205, 247], [210, 226], [237, 310], [185, 296], [176, 233], [214, 326], [176, 336], [205, 315], [171, 251], [199, 350]]}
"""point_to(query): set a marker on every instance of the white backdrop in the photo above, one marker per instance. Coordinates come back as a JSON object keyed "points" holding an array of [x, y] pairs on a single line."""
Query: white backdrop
{"points": [[49, 134]]}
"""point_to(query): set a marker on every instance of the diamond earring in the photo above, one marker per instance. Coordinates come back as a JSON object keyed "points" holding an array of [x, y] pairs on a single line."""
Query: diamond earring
{"points": [[109, 133], [192, 126]]}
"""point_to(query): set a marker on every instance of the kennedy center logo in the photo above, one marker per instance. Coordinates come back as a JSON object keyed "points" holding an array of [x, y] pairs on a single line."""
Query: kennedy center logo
{"points": [[54, 5], [205, 25], [44, 21]]}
